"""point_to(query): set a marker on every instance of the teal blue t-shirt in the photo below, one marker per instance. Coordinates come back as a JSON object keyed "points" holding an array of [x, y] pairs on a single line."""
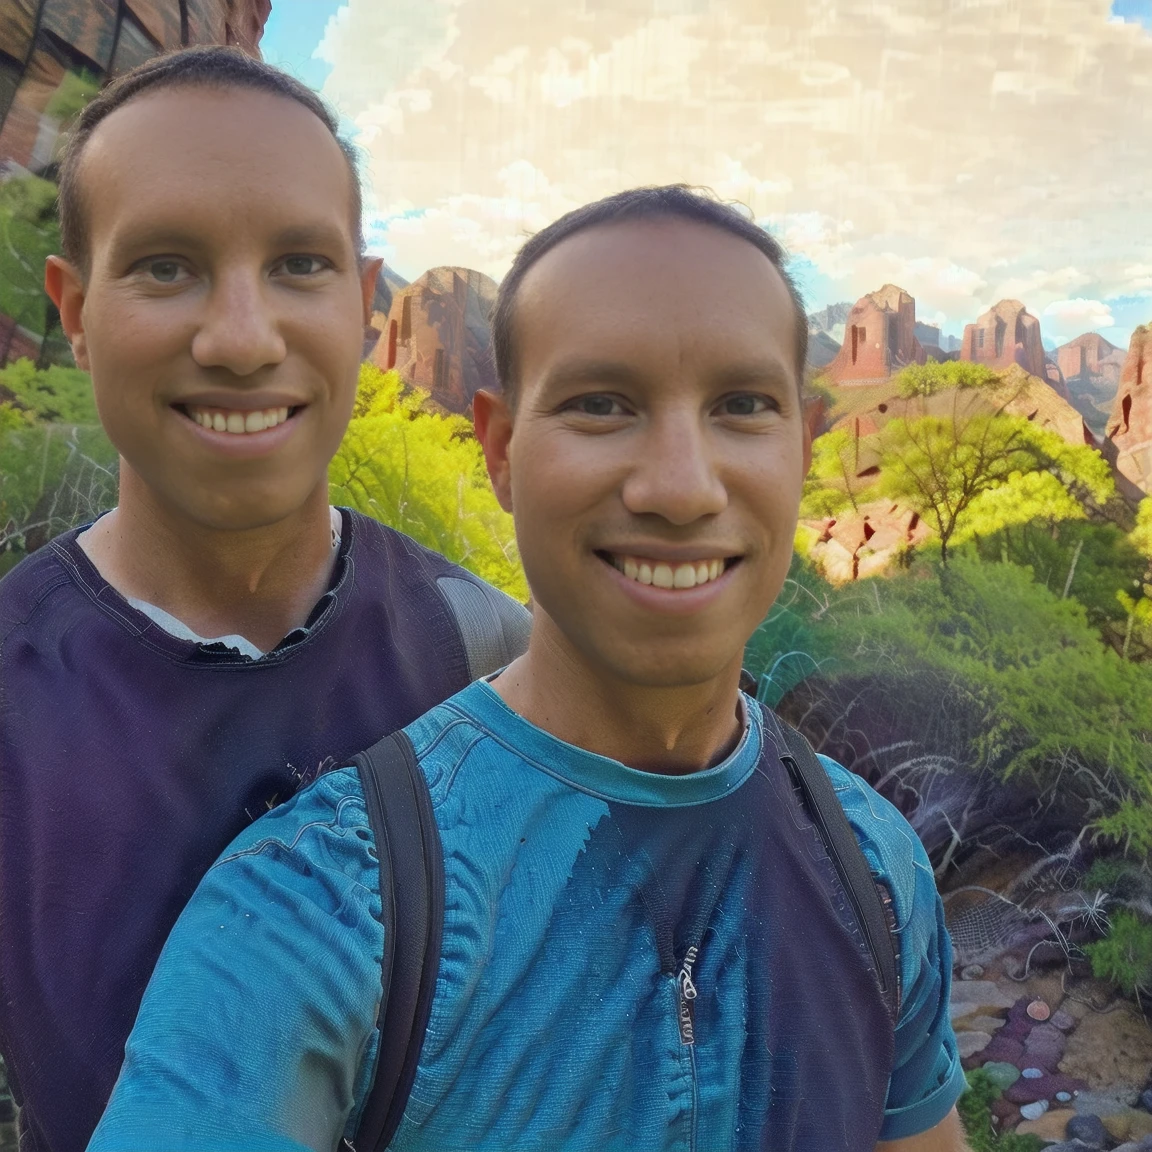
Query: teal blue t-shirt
{"points": [[579, 895]]}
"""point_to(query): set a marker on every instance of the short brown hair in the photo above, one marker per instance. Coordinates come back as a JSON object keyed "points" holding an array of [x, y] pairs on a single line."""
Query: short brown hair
{"points": [[676, 201], [213, 66]]}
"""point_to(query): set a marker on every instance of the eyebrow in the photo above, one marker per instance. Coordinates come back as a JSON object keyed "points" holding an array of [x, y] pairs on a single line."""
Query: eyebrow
{"points": [[577, 372], [163, 237]]}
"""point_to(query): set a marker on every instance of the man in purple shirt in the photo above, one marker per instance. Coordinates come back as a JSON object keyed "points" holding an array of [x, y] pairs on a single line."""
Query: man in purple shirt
{"points": [[175, 669]]}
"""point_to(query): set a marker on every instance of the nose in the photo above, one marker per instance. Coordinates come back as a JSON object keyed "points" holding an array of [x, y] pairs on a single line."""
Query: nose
{"points": [[674, 473], [240, 330]]}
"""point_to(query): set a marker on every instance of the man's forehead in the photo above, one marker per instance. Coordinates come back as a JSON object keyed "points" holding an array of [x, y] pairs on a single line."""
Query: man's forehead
{"points": [[160, 153]]}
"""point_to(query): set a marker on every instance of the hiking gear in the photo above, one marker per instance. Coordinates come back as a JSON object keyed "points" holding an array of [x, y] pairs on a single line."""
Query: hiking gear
{"points": [[412, 893], [130, 758]]}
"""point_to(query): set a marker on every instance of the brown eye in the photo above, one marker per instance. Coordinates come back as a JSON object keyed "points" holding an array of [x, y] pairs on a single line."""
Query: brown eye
{"points": [[598, 406]]}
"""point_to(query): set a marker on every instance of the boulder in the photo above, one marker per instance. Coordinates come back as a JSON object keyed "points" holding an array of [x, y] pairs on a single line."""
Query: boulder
{"points": [[1089, 1129]]}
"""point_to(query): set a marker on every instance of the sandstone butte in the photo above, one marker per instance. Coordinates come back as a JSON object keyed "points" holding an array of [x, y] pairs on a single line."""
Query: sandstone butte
{"points": [[879, 339], [1009, 334], [1091, 367], [1130, 424], [438, 337]]}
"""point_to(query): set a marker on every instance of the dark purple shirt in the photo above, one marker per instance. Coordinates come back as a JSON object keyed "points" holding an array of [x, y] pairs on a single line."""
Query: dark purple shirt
{"points": [[130, 758]]}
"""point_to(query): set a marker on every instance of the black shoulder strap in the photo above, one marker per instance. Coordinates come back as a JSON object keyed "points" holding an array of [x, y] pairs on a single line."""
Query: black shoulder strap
{"points": [[870, 903], [412, 894]]}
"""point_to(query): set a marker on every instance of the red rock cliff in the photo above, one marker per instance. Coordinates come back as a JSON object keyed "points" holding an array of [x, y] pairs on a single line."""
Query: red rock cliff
{"points": [[1130, 425], [438, 335], [1006, 334], [879, 338]]}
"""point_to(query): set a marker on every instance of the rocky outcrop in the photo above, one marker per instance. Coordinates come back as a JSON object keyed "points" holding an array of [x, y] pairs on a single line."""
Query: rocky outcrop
{"points": [[879, 338], [100, 38], [1091, 367], [1130, 423], [438, 335], [1006, 334]]}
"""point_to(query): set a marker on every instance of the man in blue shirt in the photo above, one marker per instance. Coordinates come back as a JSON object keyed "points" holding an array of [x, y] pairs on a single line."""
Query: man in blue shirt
{"points": [[645, 944], [173, 670]]}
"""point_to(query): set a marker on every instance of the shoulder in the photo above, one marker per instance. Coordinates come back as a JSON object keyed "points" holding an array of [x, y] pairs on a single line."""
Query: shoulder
{"points": [[30, 584], [896, 857], [493, 627]]}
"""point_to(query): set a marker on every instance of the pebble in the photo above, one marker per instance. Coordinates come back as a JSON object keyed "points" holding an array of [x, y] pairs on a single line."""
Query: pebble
{"points": [[971, 972], [1089, 1129], [1032, 1073], [1063, 1097], [1034, 1110], [1039, 1010], [1001, 1073], [1063, 1021]]}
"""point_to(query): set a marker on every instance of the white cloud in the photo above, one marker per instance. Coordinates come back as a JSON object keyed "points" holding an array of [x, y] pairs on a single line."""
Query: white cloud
{"points": [[1067, 319], [979, 149]]}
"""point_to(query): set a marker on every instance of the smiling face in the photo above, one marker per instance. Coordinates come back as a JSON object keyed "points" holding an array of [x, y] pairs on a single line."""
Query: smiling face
{"points": [[657, 453], [222, 314]]}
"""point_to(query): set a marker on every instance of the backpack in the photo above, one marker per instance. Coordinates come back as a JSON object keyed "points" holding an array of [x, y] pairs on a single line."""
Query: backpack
{"points": [[412, 899]]}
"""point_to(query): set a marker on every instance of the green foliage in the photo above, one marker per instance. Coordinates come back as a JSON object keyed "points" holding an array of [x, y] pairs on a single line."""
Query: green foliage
{"points": [[28, 235], [833, 483], [52, 477], [1124, 956], [74, 91], [1141, 535], [928, 379], [12, 418], [63, 395], [989, 667], [423, 473], [975, 1113]]}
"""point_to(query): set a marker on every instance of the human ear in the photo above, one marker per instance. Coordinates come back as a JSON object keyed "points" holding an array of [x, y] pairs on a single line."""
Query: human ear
{"points": [[65, 287], [493, 420], [369, 274]]}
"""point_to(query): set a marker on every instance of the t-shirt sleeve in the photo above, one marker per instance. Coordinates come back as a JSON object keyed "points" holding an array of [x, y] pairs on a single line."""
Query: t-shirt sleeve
{"points": [[257, 1029], [926, 1078]]}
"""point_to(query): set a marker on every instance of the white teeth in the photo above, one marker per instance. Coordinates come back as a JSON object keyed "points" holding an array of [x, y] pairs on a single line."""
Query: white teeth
{"points": [[238, 423], [662, 575]]}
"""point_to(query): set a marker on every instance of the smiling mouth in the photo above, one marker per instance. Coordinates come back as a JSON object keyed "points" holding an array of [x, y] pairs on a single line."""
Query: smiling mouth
{"points": [[235, 422], [662, 574]]}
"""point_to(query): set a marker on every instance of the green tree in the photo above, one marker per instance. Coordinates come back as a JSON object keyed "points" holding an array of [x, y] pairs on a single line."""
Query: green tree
{"points": [[423, 473], [928, 379], [58, 394], [28, 235], [833, 481], [940, 465]]}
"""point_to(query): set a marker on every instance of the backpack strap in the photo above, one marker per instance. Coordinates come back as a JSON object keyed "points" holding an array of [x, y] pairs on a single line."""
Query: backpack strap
{"points": [[412, 898], [870, 899], [493, 627]]}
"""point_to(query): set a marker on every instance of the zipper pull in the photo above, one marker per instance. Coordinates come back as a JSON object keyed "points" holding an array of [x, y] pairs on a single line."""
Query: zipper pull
{"points": [[688, 993]]}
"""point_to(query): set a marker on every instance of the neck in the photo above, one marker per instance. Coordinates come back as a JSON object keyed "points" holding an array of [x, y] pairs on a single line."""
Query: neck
{"points": [[258, 582], [671, 730]]}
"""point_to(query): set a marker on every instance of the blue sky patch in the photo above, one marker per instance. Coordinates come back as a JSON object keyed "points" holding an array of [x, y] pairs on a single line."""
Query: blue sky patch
{"points": [[1134, 11]]}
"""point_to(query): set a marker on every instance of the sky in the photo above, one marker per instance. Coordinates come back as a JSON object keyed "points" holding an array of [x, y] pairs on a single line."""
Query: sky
{"points": [[966, 150]]}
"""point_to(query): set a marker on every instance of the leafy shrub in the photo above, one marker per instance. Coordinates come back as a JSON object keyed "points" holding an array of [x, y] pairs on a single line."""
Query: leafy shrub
{"points": [[1124, 956], [423, 473], [62, 395], [928, 379]]}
